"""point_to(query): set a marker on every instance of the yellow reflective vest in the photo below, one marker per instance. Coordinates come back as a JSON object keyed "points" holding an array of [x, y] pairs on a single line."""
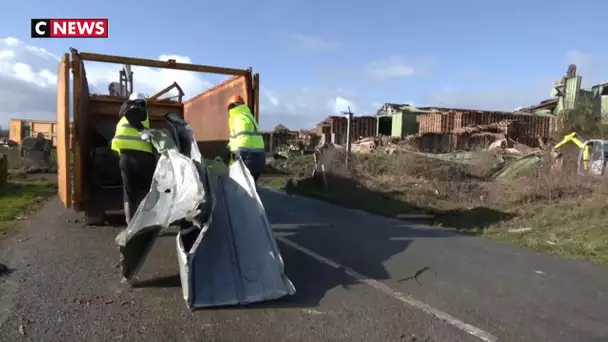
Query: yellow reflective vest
{"points": [[245, 134], [128, 138]]}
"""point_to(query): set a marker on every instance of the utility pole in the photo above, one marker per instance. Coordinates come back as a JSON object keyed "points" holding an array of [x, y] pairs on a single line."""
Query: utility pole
{"points": [[348, 132]]}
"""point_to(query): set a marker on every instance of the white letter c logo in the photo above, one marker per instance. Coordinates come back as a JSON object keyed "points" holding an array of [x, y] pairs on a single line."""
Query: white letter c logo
{"points": [[38, 25]]}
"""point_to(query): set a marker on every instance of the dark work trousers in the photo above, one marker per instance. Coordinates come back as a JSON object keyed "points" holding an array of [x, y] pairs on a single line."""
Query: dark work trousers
{"points": [[255, 162], [137, 170]]}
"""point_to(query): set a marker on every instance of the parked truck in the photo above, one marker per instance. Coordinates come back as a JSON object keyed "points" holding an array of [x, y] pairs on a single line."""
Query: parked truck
{"points": [[88, 173]]}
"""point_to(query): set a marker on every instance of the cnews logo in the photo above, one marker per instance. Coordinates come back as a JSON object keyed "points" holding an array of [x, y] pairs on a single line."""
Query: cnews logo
{"points": [[69, 28]]}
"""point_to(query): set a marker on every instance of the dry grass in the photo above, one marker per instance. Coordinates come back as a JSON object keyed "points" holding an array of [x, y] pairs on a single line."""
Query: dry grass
{"points": [[559, 213]]}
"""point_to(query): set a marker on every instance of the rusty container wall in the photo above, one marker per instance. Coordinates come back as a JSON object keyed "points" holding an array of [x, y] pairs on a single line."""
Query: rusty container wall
{"points": [[429, 123], [532, 126], [338, 125], [15, 130], [468, 119], [446, 142], [436, 142], [448, 121], [498, 117], [437, 122], [458, 121], [47, 128], [338, 128], [208, 117], [477, 118], [363, 126]]}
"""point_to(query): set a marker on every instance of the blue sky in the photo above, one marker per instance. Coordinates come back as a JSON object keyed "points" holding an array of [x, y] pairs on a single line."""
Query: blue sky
{"points": [[481, 54]]}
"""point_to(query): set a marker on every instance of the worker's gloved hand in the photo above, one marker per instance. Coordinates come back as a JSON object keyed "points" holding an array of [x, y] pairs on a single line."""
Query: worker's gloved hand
{"points": [[146, 135]]}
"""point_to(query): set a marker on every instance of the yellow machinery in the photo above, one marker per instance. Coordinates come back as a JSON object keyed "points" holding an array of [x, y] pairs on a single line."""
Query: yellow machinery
{"points": [[592, 156]]}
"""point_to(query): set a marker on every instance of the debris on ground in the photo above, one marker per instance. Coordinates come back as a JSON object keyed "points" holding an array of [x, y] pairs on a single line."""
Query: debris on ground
{"points": [[4, 270], [519, 167], [365, 145], [519, 230]]}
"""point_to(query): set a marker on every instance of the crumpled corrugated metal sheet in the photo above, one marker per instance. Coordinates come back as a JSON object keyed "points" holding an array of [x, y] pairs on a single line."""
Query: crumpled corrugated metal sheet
{"points": [[176, 192], [238, 261], [519, 167], [228, 257], [465, 157]]}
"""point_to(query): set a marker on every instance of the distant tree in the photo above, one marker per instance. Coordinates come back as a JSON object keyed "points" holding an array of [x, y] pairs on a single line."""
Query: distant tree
{"points": [[280, 128]]}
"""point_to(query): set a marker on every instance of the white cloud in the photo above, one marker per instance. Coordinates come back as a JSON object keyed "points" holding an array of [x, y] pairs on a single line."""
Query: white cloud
{"points": [[11, 41], [591, 67], [28, 88], [7, 54], [28, 80], [149, 80], [394, 67], [308, 44], [303, 107], [341, 104]]}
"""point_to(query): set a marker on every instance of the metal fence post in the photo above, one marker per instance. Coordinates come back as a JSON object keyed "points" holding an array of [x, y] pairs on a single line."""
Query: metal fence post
{"points": [[348, 132]]}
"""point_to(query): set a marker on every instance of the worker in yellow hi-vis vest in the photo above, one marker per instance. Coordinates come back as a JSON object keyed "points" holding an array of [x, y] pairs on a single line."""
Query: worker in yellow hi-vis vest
{"points": [[246, 138], [137, 159]]}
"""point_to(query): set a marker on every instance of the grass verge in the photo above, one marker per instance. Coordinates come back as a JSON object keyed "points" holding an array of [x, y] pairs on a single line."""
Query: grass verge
{"points": [[555, 213], [20, 197]]}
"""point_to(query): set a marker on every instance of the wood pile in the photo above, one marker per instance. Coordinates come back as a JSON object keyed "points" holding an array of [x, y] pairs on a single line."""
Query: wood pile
{"points": [[502, 127], [365, 145]]}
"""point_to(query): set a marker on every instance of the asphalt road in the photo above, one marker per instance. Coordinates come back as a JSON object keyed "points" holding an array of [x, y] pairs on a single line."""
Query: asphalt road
{"points": [[353, 275]]}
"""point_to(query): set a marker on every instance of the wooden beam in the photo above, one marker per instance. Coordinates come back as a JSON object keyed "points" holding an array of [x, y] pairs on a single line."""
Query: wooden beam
{"points": [[170, 64]]}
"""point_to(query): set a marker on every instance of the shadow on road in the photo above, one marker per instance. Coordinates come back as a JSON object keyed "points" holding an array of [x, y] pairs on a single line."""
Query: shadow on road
{"points": [[349, 192], [5, 270], [364, 252], [363, 244], [360, 242], [166, 281]]}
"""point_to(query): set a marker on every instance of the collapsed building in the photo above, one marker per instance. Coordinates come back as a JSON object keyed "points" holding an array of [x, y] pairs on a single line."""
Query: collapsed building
{"points": [[439, 129]]}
